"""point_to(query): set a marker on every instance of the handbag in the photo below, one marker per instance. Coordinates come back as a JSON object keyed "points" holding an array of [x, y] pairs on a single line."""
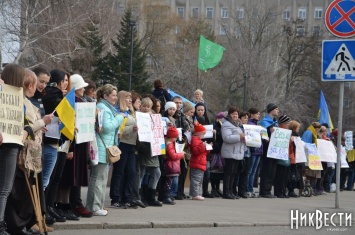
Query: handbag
{"points": [[113, 153], [284, 162], [217, 162]]}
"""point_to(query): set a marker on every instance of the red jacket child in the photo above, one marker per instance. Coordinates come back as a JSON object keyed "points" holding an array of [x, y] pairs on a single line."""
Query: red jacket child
{"points": [[172, 160], [198, 149]]}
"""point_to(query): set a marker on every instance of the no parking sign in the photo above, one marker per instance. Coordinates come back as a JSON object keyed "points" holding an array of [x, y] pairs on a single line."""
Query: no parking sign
{"points": [[340, 18]]}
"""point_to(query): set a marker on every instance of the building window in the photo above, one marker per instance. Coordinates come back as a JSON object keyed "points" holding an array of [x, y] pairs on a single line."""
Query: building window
{"points": [[347, 84], [209, 12], [240, 13], [195, 12], [286, 14], [181, 11], [318, 13], [224, 12], [177, 30], [300, 30], [222, 30], [316, 31], [302, 12], [346, 103]]}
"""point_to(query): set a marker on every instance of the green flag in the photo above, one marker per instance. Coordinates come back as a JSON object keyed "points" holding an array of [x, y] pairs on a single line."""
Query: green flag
{"points": [[209, 54]]}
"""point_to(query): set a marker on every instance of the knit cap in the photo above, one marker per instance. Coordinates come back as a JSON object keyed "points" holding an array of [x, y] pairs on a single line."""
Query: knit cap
{"points": [[284, 119], [198, 128], [169, 105], [270, 107], [172, 133]]}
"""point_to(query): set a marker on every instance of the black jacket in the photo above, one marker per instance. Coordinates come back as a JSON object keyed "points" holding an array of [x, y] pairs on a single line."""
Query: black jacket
{"points": [[50, 100], [36, 100]]}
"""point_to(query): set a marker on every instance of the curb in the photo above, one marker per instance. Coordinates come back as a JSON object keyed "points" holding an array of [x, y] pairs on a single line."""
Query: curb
{"points": [[159, 224]]}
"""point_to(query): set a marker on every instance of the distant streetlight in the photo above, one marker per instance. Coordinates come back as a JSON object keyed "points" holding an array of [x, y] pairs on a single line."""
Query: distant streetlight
{"points": [[131, 23]]}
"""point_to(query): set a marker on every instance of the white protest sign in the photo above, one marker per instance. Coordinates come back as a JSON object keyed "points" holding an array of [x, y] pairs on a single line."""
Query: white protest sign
{"points": [[344, 163], [144, 124], [53, 129], [179, 148], [85, 121], [348, 140], [209, 131], [279, 142], [11, 114], [326, 150], [300, 153], [188, 136], [158, 142], [252, 136]]}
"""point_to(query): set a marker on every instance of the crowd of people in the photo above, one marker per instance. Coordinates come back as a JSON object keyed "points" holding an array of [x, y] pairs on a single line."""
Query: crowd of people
{"points": [[138, 178]]}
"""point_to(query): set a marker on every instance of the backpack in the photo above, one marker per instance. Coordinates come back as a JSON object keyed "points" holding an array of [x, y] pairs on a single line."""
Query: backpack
{"points": [[162, 102]]}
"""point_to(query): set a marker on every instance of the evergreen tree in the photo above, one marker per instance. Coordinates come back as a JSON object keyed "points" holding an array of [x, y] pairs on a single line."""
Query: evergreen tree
{"points": [[119, 61], [91, 62]]}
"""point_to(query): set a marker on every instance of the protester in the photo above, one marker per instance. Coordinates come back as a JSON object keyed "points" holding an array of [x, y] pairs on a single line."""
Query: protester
{"points": [[283, 166], [148, 164], [217, 162], [20, 210], [268, 165], [232, 151], [296, 169], [107, 98], [171, 165], [124, 171], [160, 93], [198, 162], [255, 154]]}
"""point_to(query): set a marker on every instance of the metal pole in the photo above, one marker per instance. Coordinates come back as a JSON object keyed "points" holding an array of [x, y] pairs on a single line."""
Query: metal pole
{"points": [[245, 91], [340, 127], [131, 24]]}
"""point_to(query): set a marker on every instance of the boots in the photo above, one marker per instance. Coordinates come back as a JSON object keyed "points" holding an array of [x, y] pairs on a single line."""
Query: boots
{"points": [[3, 228], [144, 195], [151, 198], [67, 211]]}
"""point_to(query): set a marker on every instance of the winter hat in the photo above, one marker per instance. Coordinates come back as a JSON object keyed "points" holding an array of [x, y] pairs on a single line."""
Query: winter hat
{"points": [[172, 133], [284, 119], [325, 124], [57, 76], [198, 128], [77, 81], [270, 107], [221, 115], [187, 106], [169, 105]]}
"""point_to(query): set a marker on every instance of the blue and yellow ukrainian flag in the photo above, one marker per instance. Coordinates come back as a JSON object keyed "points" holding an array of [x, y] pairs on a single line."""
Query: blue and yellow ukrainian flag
{"points": [[323, 114], [66, 114]]}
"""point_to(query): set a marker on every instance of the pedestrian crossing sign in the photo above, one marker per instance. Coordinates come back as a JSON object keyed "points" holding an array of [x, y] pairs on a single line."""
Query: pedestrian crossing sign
{"points": [[338, 62]]}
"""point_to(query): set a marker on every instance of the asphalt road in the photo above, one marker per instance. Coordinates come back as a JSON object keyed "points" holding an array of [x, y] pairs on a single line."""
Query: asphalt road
{"points": [[264, 230]]}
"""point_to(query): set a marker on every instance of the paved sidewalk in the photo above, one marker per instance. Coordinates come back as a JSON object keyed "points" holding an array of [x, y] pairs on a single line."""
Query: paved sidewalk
{"points": [[213, 212]]}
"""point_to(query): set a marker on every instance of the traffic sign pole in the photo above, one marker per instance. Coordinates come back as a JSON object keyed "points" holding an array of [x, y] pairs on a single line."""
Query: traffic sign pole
{"points": [[340, 131]]}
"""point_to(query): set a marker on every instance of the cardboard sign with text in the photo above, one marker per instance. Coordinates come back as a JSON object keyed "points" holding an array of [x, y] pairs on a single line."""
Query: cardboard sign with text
{"points": [[85, 121], [11, 114], [279, 142]]}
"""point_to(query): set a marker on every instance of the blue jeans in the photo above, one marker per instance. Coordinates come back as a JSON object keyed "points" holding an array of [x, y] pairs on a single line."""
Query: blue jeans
{"points": [[253, 166], [49, 161], [174, 185]]}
